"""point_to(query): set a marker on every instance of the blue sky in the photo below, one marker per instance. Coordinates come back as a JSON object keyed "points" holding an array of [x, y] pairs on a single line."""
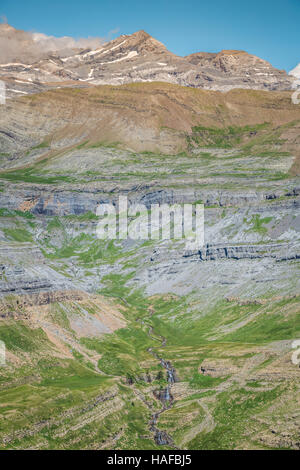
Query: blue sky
{"points": [[267, 28]]}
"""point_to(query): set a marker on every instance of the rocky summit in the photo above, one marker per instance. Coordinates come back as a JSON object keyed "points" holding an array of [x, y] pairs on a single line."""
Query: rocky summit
{"points": [[28, 66], [147, 343]]}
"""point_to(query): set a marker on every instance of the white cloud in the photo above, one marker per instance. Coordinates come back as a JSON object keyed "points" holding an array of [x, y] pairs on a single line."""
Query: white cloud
{"points": [[295, 72], [21, 46]]}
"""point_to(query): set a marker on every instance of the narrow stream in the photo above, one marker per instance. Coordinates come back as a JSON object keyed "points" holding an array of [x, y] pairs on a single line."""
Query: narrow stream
{"points": [[164, 395]]}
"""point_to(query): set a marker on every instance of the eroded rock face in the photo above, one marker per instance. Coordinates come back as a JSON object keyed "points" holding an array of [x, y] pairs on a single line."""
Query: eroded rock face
{"points": [[24, 272], [14, 306], [278, 251]]}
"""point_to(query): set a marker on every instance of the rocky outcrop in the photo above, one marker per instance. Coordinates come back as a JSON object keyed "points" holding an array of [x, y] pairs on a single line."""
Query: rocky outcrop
{"points": [[14, 306], [216, 252], [18, 280]]}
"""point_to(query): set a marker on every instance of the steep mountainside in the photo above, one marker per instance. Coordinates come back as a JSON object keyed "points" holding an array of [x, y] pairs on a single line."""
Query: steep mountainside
{"points": [[153, 117], [131, 58], [144, 344]]}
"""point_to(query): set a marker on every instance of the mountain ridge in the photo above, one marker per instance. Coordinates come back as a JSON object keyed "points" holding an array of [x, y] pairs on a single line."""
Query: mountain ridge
{"points": [[136, 57]]}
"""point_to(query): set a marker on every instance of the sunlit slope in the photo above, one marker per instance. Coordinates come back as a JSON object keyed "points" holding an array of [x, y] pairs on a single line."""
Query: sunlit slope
{"points": [[152, 116]]}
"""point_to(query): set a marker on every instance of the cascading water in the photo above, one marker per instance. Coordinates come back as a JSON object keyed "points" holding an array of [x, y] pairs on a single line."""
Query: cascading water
{"points": [[164, 395]]}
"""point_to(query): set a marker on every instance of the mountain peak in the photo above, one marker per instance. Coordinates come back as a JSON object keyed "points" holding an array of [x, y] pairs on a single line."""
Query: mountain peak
{"points": [[141, 34], [145, 43], [136, 57]]}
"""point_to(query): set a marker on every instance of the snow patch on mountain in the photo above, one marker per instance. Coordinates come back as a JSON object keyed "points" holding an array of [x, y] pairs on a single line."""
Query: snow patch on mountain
{"points": [[128, 56]]}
